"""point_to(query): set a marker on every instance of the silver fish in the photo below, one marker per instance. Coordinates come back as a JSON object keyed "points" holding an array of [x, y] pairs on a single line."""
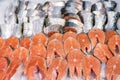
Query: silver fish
{"points": [[31, 5], [21, 15], [6, 30], [98, 7], [72, 7], [118, 23], [11, 19], [112, 20], [110, 5], [87, 5], [46, 6], [100, 20], [77, 3], [9, 14], [49, 30], [17, 30], [31, 12], [28, 29], [53, 21], [53, 25], [74, 24], [55, 9], [38, 25], [88, 20]]}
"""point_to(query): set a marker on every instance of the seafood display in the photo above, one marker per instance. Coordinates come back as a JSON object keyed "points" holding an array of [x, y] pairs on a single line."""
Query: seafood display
{"points": [[61, 56], [60, 40]]}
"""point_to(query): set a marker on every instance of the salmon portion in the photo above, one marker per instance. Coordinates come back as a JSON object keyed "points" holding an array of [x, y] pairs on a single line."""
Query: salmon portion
{"points": [[21, 53], [91, 65], [6, 52], [3, 67], [1, 42], [68, 28], [102, 52], [54, 49], [96, 36], [113, 68], [25, 42], [114, 44], [75, 58], [109, 34], [57, 36], [39, 38], [84, 42], [36, 65], [70, 43], [14, 64], [57, 69], [69, 34], [38, 50], [50, 33], [13, 42]]}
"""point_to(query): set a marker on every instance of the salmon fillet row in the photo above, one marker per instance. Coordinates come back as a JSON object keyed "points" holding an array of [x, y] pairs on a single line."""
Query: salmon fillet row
{"points": [[61, 56]]}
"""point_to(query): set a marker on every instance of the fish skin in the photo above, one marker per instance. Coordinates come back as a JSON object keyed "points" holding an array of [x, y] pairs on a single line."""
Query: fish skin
{"points": [[112, 20], [100, 19], [88, 21], [73, 25], [17, 30], [110, 5], [87, 5], [6, 31], [28, 29]]}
